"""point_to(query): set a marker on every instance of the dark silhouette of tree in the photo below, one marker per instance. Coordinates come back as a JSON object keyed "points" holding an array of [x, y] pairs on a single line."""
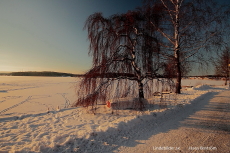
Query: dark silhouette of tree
{"points": [[126, 60], [170, 69], [188, 27], [221, 64]]}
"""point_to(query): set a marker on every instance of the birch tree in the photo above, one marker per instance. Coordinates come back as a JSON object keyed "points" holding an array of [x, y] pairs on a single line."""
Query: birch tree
{"points": [[189, 27]]}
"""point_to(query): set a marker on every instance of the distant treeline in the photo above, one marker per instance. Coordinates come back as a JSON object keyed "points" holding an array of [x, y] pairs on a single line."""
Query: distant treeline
{"points": [[110, 75], [107, 75], [207, 76], [45, 73]]}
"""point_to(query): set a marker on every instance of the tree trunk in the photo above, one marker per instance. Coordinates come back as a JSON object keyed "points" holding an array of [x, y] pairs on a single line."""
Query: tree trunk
{"points": [[141, 92], [178, 76], [177, 50], [140, 105], [139, 79]]}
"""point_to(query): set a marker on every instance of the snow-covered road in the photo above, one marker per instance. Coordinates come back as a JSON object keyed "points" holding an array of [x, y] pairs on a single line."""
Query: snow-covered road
{"points": [[201, 127]]}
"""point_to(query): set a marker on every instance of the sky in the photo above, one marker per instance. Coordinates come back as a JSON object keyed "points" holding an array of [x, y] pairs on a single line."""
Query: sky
{"points": [[48, 35]]}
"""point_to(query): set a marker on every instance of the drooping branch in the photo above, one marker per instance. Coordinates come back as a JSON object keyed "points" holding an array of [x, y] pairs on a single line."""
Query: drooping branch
{"points": [[125, 53]]}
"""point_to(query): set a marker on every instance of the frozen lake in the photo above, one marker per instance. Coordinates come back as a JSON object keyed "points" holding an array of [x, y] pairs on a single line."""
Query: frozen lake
{"points": [[49, 92]]}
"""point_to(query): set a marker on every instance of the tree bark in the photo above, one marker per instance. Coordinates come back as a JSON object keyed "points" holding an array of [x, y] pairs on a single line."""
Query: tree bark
{"points": [[177, 49], [140, 105], [178, 76], [141, 92]]}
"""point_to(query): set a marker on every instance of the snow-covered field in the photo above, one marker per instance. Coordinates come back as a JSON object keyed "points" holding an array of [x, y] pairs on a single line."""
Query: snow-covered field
{"points": [[35, 115]]}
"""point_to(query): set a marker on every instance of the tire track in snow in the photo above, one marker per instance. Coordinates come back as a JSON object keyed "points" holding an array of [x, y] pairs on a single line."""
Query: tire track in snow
{"points": [[9, 97], [3, 111]]}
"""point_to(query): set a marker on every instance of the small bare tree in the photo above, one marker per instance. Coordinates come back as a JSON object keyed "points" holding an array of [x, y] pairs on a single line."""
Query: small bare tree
{"points": [[221, 64], [125, 59]]}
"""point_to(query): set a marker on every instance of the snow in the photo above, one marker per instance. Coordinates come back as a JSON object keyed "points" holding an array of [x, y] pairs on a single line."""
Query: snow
{"points": [[35, 115]]}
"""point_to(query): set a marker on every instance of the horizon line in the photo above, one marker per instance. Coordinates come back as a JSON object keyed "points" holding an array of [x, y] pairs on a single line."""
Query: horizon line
{"points": [[38, 71]]}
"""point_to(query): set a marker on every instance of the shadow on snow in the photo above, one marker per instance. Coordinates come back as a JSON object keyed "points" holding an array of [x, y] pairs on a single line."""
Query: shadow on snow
{"points": [[140, 128]]}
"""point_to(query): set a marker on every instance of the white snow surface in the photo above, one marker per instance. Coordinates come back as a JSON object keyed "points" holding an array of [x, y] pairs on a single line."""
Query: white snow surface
{"points": [[35, 115]]}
